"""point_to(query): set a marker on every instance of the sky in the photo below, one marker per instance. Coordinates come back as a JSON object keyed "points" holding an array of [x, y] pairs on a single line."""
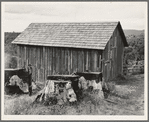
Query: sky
{"points": [[16, 16]]}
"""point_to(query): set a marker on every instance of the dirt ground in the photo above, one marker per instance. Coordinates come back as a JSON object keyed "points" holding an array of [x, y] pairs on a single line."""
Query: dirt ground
{"points": [[127, 98]]}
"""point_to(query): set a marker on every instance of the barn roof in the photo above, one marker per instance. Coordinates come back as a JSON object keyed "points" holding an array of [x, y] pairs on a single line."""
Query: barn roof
{"points": [[75, 35]]}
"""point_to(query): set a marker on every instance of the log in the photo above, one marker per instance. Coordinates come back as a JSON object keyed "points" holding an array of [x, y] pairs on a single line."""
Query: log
{"points": [[108, 100], [90, 75], [62, 77], [40, 96]]}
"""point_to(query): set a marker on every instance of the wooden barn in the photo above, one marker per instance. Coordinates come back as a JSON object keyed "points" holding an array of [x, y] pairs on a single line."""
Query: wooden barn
{"points": [[65, 48]]}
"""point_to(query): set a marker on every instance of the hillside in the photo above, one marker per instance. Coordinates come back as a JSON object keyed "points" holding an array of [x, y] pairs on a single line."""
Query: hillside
{"points": [[133, 32], [10, 50], [135, 51]]}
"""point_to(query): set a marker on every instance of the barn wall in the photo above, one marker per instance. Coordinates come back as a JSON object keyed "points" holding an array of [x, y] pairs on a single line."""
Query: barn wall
{"points": [[113, 56], [54, 60]]}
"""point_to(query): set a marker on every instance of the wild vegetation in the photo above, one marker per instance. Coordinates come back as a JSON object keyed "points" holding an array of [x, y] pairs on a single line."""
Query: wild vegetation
{"points": [[126, 98], [10, 50], [135, 51]]}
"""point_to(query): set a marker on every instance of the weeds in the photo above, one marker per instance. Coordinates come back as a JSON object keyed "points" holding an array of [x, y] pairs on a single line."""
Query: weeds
{"points": [[129, 102]]}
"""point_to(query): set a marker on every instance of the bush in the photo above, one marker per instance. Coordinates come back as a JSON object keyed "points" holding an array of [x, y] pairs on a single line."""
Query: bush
{"points": [[10, 61]]}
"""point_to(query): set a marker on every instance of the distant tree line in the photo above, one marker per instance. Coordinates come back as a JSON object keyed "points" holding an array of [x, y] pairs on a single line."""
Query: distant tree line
{"points": [[10, 50], [9, 47], [135, 50]]}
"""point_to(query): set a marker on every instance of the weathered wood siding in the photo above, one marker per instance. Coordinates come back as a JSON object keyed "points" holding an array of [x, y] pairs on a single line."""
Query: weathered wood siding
{"points": [[113, 56], [56, 60]]}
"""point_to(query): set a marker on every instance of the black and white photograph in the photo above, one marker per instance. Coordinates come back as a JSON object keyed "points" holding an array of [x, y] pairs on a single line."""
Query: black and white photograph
{"points": [[74, 60]]}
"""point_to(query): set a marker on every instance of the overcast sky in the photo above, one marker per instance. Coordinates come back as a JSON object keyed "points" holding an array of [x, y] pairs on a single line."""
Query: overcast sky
{"points": [[17, 16]]}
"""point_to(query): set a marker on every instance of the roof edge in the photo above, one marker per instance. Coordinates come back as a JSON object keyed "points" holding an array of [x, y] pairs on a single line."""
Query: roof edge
{"points": [[32, 44], [74, 22], [122, 34]]}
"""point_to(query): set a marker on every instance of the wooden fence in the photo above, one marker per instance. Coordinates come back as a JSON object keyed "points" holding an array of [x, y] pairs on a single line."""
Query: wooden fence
{"points": [[137, 69]]}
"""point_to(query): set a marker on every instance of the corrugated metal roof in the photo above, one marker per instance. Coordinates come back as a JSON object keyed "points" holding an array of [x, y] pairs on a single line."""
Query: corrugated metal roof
{"points": [[76, 35]]}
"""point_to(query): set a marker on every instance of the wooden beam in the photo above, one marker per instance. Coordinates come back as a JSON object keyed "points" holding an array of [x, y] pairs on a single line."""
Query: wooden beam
{"points": [[71, 60], [87, 60], [18, 59], [83, 60]]}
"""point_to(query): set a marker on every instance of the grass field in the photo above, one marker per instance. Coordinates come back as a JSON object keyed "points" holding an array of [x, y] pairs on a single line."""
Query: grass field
{"points": [[127, 96]]}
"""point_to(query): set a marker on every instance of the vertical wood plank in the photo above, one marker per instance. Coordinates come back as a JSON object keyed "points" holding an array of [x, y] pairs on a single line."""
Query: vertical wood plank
{"points": [[21, 51], [57, 60], [22, 56], [36, 67], [71, 61], [43, 58], [18, 53], [30, 55], [77, 59], [68, 61], [118, 56], [112, 63], [40, 64], [122, 57], [92, 61], [45, 63], [87, 67], [115, 55], [82, 60], [95, 61], [37, 51], [105, 66], [89, 60], [50, 60], [35, 62], [25, 57], [53, 61], [74, 63], [100, 69], [63, 61]]}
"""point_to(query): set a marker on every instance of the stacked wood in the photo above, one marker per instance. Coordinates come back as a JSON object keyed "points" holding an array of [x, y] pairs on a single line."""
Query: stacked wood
{"points": [[23, 74], [70, 93], [82, 83], [15, 85], [59, 91], [91, 85]]}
